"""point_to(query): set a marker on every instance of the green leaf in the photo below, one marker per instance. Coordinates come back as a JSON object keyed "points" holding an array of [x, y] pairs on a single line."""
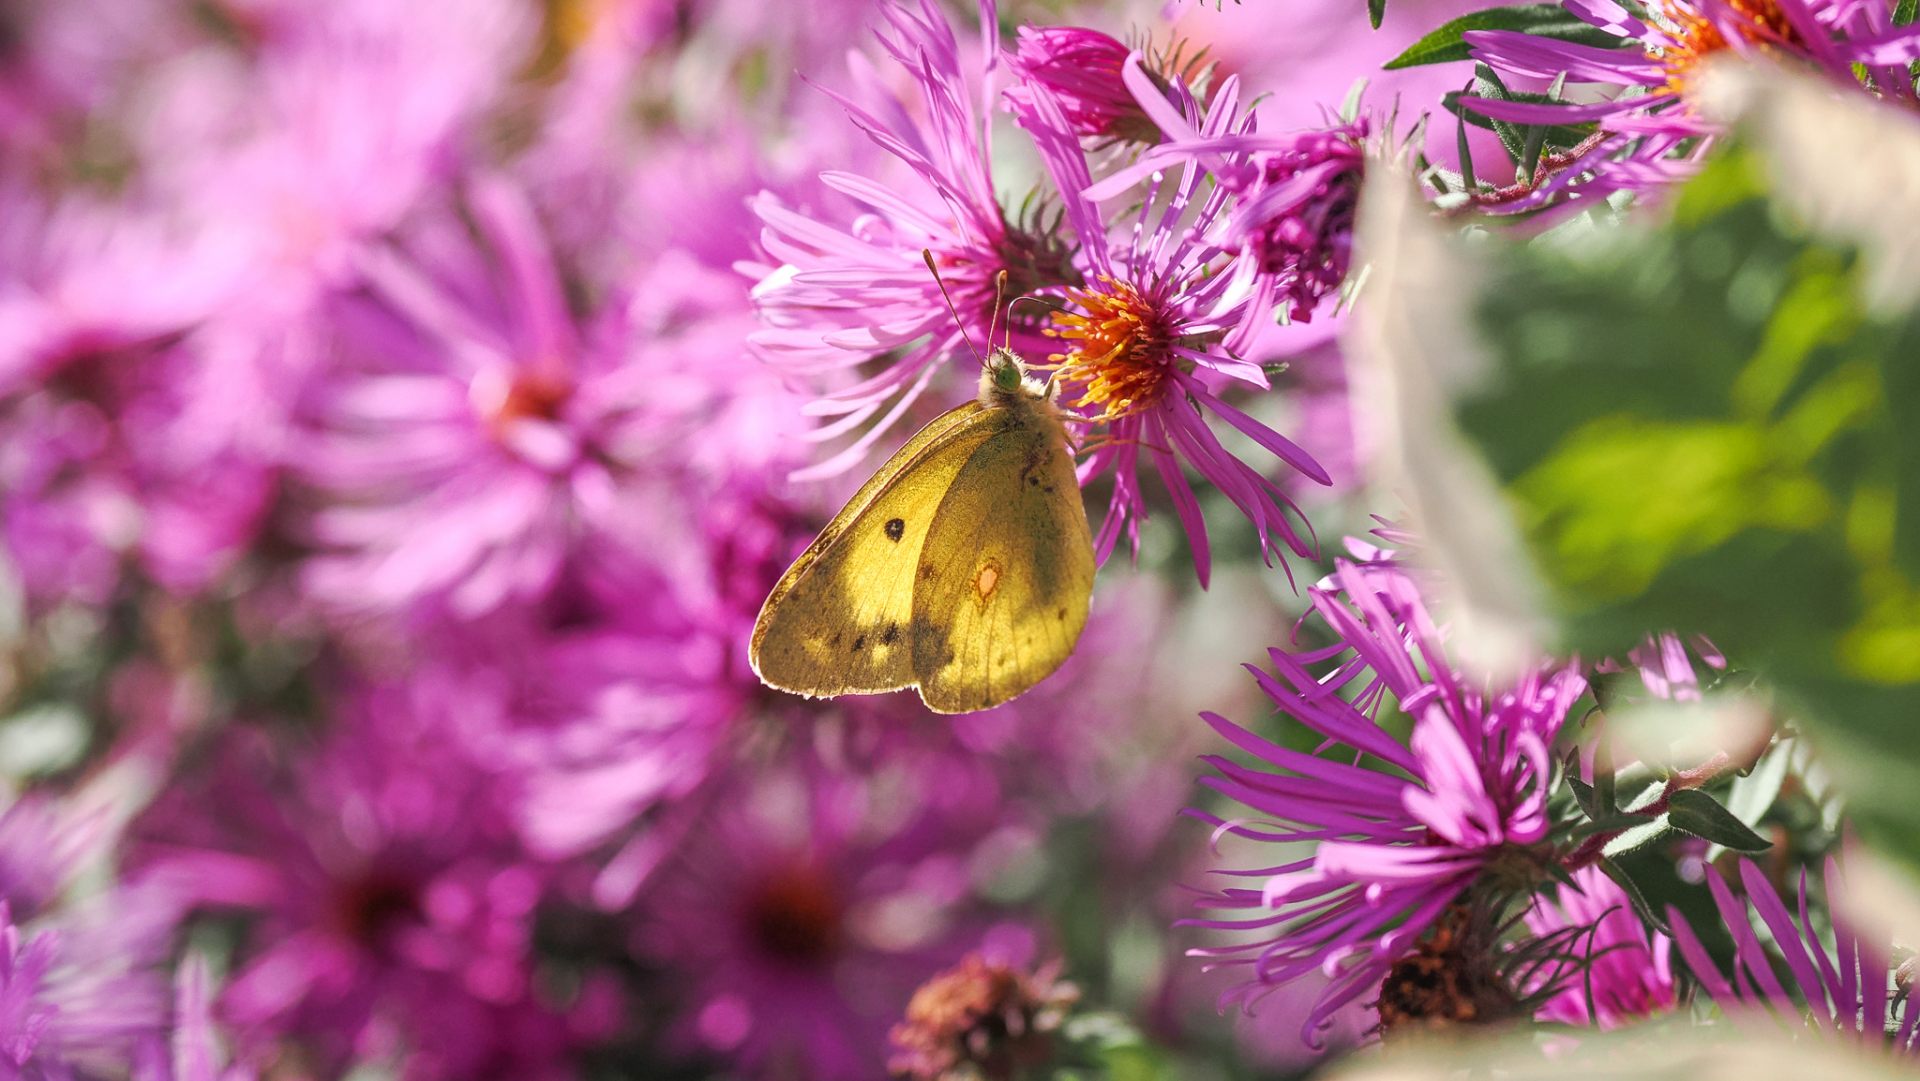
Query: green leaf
{"points": [[1604, 794], [1620, 821], [1749, 798], [1636, 837], [1583, 795], [1653, 918], [1559, 136], [1448, 43], [1376, 10], [1463, 145], [1701, 815], [1904, 13]]}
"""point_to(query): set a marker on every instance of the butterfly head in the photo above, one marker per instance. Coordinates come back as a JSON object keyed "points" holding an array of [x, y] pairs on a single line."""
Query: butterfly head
{"points": [[1005, 377]]}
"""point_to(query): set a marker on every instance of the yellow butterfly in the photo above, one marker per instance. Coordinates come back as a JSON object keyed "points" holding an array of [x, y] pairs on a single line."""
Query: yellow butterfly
{"points": [[963, 568]]}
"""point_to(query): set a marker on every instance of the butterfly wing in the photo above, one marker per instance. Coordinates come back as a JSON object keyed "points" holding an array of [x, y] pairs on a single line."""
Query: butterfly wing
{"points": [[838, 621], [1006, 572]]}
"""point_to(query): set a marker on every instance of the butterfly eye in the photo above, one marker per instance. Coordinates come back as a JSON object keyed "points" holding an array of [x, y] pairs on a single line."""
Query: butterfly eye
{"points": [[1006, 373]]}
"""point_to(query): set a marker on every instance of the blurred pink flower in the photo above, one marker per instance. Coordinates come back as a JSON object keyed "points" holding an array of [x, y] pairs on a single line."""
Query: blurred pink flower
{"points": [[1615, 970], [391, 908], [194, 1052], [802, 913], [108, 449], [481, 438], [72, 68], [24, 1016], [1838, 992], [1666, 663], [82, 984]]}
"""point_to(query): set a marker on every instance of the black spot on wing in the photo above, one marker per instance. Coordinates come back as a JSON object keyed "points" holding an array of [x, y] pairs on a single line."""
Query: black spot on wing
{"points": [[891, 635], [859, 643], [896, 528], [925, 630]]}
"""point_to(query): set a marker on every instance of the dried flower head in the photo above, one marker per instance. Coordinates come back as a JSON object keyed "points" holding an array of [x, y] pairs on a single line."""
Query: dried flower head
{"points": [[980, 1021]]}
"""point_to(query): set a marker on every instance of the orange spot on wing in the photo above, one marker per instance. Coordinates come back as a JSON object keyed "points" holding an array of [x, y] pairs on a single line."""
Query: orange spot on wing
{"points": [[987, 579]]}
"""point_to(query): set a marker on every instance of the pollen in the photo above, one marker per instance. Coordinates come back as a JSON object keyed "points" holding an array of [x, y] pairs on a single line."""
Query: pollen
{"points": [[1120, 351], [1757, 23]]}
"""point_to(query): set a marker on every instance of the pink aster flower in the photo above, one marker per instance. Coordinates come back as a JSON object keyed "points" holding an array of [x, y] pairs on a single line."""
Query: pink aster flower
{"points": [[802, 914], [1143, 342], [1667, 665], [1648, 131], [68, 67], [603, 723], [1838, 991], [838, 296], [390, 910], [109, 451], [1083, 70], [483, 438], [1615, 971], [195, 1051], [82, 984], [24, 1015], [343, 117], [1396, 850], [43, 845], [1294, 196]]}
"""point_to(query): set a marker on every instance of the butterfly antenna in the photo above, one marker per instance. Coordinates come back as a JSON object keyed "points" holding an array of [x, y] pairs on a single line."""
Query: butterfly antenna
{"points": [[1044, 303], [999, 292], [927, 254]]}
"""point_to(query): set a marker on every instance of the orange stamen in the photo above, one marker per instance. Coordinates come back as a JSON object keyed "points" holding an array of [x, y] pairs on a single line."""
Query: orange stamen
{"points": [[1122, 357], [1760, 23]]}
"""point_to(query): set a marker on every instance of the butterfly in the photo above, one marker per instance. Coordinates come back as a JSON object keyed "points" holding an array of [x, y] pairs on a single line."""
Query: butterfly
{"points": [[963, 568]]}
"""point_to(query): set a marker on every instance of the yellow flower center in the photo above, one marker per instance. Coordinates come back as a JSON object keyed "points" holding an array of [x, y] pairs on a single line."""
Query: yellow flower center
{"points": [[1758, 22], [1120, 353]]}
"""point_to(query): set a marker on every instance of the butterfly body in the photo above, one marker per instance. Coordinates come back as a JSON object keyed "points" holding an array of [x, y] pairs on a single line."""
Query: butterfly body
{"points": [[964, 567]]}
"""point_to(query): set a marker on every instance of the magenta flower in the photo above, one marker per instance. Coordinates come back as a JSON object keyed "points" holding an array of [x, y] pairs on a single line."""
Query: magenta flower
{"points": [[1666, 663], [838, 296], [802, 913], [195, 1051], [114, 446], [1291, 223], [25, 1015], [599, 726], [1143, 356], [1839, 991], [342, 119], [81, 988], [1648, 132], [1396, 849], [1615, 971], [484, 439], [390, 909], [1083, 71]]}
